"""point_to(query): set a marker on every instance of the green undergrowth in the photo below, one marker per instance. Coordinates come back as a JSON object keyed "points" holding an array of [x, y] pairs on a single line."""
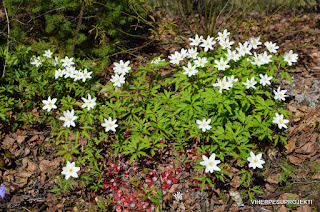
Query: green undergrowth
{"points": [[152, 111]]}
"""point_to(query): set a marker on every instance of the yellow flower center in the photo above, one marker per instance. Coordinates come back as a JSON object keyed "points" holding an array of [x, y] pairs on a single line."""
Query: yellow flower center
{"points": [[255, 160], [210, 163], [70, 170]]}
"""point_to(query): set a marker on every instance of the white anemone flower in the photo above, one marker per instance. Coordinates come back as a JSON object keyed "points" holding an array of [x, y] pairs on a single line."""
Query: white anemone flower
{"points": [[208, 43], [280, 94], [36, 61], [86, 75], [89, 103], [196, 41], [272, 47], [221, 65], [178, 196], [55, 61], [68, 118], [190, 70], [183, 53], [58, 73], [192, 53], [290, 57], [69, 72], [232, 55], [280, 121], [266, 58], [49, 104], [223, 36], [201, 62], [70, 170], [175, 58], [244, 48], [255, 161], [77, 75], [47, 53], [226, 44], [204, 124], [157, 60], [265, 79], [109, 124], [223, 84], [121, 67], [118, 80], [67, 62], [231, 80], [255, 42], [210, 163], [250, 83]]}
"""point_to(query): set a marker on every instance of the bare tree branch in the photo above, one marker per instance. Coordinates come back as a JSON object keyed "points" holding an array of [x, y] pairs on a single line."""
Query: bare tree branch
{"points": [[77, 29]]}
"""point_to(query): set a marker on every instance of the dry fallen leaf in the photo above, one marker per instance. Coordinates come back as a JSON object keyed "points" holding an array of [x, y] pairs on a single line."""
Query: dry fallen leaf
{"points": [[44, 166], [317, 176], [270, 187], [308, 148], [235, 182], [284, 209], [286, 196], [21, 138], [7, 142], [290, 146], [295, 160], [304, 208], [273, 178], [33, 138]]}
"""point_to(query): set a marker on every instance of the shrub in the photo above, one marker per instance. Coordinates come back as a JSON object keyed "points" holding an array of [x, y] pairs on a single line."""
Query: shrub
{"points": [[102, 25]]}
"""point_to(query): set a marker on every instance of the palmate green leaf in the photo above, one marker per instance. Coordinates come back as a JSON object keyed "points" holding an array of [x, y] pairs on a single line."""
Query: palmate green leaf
{"points": [[203, 184], [288, 77], [161, 145], [209, 182], [85, 134]]}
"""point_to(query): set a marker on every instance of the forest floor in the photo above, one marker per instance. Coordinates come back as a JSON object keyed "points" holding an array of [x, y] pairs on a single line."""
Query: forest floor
{"points": [[32, 162]]}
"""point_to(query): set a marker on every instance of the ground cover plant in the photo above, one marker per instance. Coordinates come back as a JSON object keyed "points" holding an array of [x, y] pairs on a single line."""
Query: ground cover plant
{"points": [[221, 100]]}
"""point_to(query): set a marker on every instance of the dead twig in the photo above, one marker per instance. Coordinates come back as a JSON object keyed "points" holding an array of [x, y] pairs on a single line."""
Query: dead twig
{"points": [[77, 29], [45, 13], [17, 203], [12, 39]]}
